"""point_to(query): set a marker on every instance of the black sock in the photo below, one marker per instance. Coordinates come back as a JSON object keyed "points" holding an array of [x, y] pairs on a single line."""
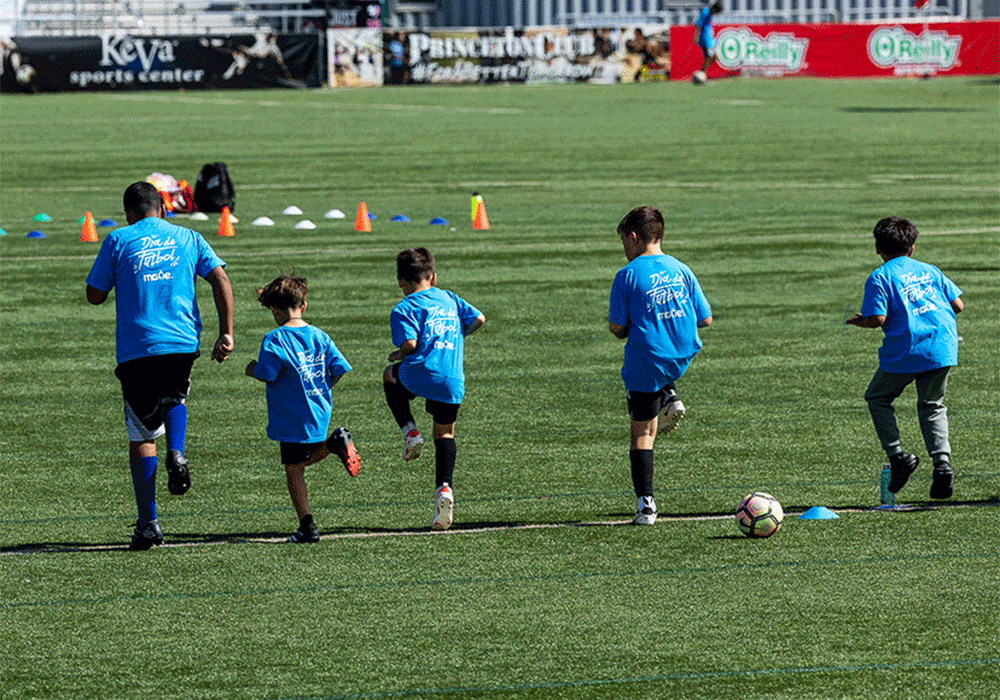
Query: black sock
{"points": [[398, 399], [305, 522], [642, 472], [444, 460]]}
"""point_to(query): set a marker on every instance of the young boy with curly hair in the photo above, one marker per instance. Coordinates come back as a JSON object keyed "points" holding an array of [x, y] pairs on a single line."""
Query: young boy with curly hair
{"points": [[300, 365]]}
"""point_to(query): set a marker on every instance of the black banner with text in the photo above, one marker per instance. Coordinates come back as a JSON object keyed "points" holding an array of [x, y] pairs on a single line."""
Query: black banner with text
{"points": [[123, 62]]}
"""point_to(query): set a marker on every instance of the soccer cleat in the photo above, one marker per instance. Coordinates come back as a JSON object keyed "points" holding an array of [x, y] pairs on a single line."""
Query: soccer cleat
{"points": [[146, 536], [413, 442], [178, 474], [671, 416], [340, 444], [306, 536], [900, 467], [942, 481], [444, 502], [646, 512]]}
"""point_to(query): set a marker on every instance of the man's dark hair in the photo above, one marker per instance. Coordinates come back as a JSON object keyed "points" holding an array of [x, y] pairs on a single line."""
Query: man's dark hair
{"points": [[415, 264], [285, 292], [644, 222], [895, 235], [142, 199]]}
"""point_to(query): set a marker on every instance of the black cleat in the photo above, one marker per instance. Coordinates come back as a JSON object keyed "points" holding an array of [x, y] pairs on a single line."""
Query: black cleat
{"points": [[942, 481], [146, 536], [178, 475], [901, 466], [306, 535]]}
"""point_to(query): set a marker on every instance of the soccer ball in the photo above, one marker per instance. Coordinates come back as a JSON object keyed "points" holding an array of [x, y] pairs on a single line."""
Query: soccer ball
{"points": [[759, 515], [699, 77]]}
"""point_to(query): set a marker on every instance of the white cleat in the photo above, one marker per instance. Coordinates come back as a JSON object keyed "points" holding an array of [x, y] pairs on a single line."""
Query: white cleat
{"points": [[444, 501], [671, 415], [646, 512], [413, 442]]}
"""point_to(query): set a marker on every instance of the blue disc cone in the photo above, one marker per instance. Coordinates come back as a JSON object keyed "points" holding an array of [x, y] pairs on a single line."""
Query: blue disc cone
{"points": [[108, 223], [35, 234], [819, 513], [438, 221], [401, 217]]}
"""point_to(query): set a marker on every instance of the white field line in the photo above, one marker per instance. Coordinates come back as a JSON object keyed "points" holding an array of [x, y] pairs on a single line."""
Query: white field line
{"points": [[474, 530], [332, 104]]}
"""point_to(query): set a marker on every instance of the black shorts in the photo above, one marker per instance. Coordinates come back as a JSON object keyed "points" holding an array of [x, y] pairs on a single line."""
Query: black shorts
{"points": [[151, 386], [646, 405], [442, 413], [295, 452]]}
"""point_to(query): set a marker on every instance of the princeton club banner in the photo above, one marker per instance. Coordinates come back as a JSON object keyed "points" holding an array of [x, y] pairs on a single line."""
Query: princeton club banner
{"points": [[842, 50], [123, 62], [548, 55]]}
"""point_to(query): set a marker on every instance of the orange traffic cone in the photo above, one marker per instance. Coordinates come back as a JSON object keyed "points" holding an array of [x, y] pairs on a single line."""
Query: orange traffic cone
{"points": [[480, 223], [225, 225], [362, 223], [89, 233]]}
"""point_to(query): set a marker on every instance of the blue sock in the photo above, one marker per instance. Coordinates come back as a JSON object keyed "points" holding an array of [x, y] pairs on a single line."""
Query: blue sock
{"points": [[144, 483], [176, 423]]}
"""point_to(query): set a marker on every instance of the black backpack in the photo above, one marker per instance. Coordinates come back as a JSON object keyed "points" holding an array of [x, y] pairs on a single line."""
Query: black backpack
{"points": [[214, 189]]}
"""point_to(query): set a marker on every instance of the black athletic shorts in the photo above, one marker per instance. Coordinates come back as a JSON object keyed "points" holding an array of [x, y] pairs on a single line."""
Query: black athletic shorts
{"points": [[442, 413], [295, 452], [151, 386], [646, 405]]}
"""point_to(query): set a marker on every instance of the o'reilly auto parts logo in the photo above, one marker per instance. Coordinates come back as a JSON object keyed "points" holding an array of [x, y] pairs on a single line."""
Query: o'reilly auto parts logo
{"points": [[776, 54], [894, 47]]}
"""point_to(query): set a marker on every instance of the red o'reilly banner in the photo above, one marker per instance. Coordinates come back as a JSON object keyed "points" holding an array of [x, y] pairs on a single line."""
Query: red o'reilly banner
{"points": [[842, 50]]}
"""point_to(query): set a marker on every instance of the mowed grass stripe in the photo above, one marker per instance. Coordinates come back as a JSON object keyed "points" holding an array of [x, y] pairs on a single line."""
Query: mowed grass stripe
{"points": [[494, 581]]}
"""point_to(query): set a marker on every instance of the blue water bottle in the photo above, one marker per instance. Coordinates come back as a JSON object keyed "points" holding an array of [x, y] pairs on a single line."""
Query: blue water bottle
{"points": [[887, 498]]}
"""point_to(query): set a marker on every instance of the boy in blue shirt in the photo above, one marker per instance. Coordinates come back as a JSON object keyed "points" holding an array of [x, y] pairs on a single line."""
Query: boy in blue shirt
{"points": [[300, 365], [152, 265], [657, 306], [706, 38], [915, 306], [428, 327]]}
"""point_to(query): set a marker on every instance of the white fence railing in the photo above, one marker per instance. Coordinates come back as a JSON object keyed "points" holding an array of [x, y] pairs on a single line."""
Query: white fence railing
{"points": [[150, 17]]}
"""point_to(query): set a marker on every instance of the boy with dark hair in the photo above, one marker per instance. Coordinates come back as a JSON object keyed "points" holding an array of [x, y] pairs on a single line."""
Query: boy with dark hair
{"points": [[428, 327], [657, 306], [915, 305], [706, 38], [300, 365], [152, 265]]}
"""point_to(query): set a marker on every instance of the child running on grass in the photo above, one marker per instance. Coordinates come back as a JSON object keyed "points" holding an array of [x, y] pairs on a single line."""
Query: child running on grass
{"points": [[915, 306], [300, 365], [657, 307], [428, 327]]}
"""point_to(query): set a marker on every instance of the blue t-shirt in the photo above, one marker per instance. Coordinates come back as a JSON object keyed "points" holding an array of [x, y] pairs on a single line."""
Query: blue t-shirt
{"points": [[920, 330], [152, 266], [299, 365], [436, 319], [704, 24], [658, 299]]}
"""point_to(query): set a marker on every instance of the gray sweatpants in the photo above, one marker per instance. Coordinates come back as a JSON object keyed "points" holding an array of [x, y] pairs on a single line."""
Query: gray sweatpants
{"points": [[885, 387]]}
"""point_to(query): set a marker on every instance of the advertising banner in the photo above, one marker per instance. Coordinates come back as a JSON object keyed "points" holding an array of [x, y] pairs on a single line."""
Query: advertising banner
{"points": [[123, 62], [842, 50], [355, 57], [544, 55]]}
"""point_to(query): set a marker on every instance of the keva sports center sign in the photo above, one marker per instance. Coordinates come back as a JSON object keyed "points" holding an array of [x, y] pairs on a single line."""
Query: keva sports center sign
{"points": [[842, 50]]}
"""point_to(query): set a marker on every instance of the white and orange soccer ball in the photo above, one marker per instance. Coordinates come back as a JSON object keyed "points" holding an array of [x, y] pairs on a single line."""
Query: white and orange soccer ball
{"points": [[759, 515]]}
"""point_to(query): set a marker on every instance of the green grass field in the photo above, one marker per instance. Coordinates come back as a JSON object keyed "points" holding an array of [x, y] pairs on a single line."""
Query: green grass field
{"points": [[541, 590]]}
